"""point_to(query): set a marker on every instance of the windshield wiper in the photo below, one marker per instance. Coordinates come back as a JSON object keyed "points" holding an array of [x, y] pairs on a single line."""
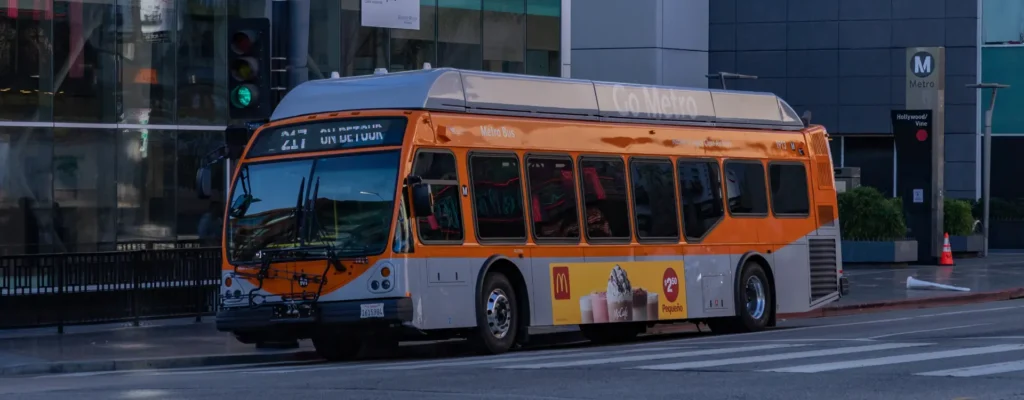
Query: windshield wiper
{"points": [[313, 226]]}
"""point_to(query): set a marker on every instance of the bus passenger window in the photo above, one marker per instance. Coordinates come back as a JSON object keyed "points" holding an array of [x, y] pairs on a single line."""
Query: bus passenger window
{"points": [[604, 198], [700, 190], [497, 197], [654, 199], [439, 170], [788, 183], [553, 208], [744, 186]]}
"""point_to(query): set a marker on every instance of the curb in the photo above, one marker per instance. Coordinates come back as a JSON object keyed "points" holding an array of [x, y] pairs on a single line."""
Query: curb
{"points": [[155, 363], [908, 304]]}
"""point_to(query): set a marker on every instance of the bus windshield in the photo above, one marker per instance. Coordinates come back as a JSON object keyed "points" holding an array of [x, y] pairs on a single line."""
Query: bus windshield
{"points": [[352, 212]]}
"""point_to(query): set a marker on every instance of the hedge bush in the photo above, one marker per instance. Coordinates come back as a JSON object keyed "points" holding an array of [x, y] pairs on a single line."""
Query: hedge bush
{"points": [[957, 218], [867, 215]]}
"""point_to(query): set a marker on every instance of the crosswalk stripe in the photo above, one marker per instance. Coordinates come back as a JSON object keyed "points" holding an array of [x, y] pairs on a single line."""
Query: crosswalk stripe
{"points": [[492, 360], [660, 356], [906, 358], [978, 370], [778, 357]]}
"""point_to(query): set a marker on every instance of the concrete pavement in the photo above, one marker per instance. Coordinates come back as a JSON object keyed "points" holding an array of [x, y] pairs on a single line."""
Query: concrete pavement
{"points": [[973, 351], [184, 344]]}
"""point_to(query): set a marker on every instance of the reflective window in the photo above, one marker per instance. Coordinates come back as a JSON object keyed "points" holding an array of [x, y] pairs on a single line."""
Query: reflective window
{"points": [[439, 170], [497, 197], [605, 202], [459, 34], [363, 48], [700, 190], [85, 187], [1002, 21], [198, 219], [411, 48], [745, 187], [86, 59], [543, 37], [788, 183], [654, 199], [30, 223], [201, 52], [503, 35], [145, 186], [148, 45], [26, 57], [553, 197]]}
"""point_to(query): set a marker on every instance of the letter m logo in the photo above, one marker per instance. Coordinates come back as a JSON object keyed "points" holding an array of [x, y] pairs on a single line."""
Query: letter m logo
{"points": [[560, 280], [923, 64]]}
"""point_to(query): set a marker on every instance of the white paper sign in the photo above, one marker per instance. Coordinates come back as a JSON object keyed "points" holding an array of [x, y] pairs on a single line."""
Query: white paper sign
{"points": [[919, 195], [398, 14]]}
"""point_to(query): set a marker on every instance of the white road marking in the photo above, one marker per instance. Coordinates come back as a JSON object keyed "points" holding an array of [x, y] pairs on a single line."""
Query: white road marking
{"points": [[979, 370], [906, 358], [661, 356], [493, 360], [778, 357], [928, 330], [993, 338]]}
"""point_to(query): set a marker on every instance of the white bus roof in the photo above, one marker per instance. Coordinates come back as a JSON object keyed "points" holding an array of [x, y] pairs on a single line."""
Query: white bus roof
{"points": [[477, 92]]}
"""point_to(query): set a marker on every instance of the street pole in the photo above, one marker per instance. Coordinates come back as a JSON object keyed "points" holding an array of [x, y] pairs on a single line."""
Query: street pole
{"points": [[721, 75], [986, 156]]}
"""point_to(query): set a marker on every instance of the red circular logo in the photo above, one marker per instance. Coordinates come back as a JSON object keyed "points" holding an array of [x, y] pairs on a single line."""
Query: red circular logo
{"points": [[922, 135], [670, 285]]}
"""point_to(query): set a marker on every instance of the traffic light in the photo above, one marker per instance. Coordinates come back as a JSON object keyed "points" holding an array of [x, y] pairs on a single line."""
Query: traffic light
{"points": [[249, 68]]}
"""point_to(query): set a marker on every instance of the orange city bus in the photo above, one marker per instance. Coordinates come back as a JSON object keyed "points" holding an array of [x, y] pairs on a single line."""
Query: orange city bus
{"points": [[445, 203]]}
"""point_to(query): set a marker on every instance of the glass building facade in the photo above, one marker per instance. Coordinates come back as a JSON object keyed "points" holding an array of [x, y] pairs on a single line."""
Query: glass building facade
{"points": [[106, 106]]}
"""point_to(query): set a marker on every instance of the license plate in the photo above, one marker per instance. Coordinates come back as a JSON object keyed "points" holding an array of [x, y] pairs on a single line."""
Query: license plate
{"points": [[374, 310]]}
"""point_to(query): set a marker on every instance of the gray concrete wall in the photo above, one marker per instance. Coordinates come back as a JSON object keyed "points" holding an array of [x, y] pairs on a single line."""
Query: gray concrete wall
{"points": [[843, 60], [641, 41]]}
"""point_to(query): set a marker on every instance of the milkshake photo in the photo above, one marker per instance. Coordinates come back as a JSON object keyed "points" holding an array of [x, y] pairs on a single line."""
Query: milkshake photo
{"points": [[599, 307], [640, 305], [652, 306], [620, 296], [586, 310]]}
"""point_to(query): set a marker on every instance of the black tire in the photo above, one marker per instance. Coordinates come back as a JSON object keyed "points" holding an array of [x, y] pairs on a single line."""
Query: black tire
{"points": [[746, 319], [336, 348], [503, 309], [611, 333]]}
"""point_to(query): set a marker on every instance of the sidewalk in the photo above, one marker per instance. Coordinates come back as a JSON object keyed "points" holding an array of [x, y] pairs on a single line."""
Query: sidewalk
{"points": [[185, 343]]}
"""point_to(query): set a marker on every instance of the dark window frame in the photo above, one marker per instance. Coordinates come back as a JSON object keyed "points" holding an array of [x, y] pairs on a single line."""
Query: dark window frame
{"points": [[529, 190], [675, 200], [472, 198], [622, 240], [725, 188], [458, 185], [721, 197], [807, 194]]}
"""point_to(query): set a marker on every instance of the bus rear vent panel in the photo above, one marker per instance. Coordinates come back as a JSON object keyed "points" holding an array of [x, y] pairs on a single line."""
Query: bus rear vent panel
{"points": [[824, 260]]}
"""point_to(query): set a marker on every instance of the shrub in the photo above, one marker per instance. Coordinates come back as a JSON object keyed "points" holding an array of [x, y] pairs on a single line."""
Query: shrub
{"points": [[865, 214], [957, 218]]}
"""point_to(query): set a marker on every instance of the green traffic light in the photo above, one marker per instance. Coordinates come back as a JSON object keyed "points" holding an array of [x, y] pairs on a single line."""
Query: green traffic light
{"points": [[241, 97]]}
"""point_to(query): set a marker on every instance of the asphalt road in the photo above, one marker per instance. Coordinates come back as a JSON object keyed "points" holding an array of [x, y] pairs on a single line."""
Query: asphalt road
{"points": [[966, 352]]}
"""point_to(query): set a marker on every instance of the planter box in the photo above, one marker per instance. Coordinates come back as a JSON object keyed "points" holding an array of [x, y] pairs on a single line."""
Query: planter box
{"points": [[1005, 234], [967, 244], [888, 252]]}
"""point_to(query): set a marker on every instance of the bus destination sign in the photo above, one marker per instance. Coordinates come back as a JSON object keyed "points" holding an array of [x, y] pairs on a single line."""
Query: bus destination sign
{"points": [[337, 134]]}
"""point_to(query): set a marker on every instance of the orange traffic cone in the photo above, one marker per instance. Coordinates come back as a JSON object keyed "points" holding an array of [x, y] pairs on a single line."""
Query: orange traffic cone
{"points": [[947, 252]]}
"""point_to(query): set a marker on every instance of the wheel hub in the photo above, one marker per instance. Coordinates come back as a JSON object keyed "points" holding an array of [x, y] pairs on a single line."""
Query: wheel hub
{"points": [[756, 298], [499, 314]]}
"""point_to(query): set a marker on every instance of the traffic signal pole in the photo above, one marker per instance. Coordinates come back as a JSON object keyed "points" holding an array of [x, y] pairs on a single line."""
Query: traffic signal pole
{"points": [[280, 46]]}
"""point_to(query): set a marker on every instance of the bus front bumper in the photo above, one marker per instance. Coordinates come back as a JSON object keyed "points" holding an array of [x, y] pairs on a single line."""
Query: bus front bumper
{"points": [[335, 313]]}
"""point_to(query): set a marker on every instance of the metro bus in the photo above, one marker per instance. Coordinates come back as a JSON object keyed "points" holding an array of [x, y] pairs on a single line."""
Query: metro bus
{"points": [[445, 203]]}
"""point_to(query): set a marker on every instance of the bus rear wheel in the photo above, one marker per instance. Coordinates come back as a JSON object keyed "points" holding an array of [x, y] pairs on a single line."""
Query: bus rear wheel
{"points": [[497, 317], [754, 303]]}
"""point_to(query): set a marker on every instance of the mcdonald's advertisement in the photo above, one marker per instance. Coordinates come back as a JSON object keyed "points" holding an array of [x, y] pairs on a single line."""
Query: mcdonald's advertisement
{"points": [[594, 293]]}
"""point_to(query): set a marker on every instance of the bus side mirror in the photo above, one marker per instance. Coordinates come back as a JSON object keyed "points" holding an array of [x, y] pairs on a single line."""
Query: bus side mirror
{"points": [[422, 201], [204, 182]]}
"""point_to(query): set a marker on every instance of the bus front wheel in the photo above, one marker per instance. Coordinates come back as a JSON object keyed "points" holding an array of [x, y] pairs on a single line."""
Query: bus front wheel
{"points": [[753, 303], [497, 316]]}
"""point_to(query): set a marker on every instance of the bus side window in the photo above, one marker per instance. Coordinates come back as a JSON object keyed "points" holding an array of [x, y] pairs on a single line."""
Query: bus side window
{"points": [[654, 199], [745, 187], [438, 169], [788, 183], [605, 206], [497, 197], [553, 196], [700, 192]]}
